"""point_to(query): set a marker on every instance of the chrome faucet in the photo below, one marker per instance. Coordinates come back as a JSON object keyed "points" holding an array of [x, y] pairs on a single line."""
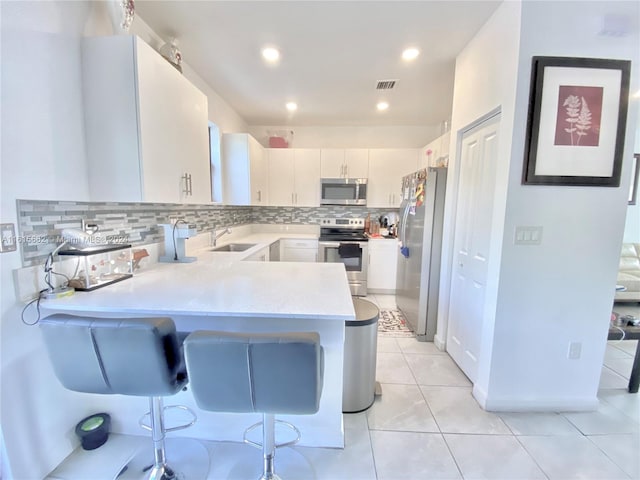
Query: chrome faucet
{"points": [[214, 237]]}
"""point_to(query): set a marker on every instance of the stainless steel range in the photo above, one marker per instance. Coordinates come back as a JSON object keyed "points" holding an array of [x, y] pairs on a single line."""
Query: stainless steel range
{"points": [[342, 240]]}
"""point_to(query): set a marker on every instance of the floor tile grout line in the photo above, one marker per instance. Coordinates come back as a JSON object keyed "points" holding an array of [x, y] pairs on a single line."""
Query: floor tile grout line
{"points": [[507, 425], [613, 372], [627, 354], [426, 401], [373, 453], [453, 457], [618, 411], [524, 447]]}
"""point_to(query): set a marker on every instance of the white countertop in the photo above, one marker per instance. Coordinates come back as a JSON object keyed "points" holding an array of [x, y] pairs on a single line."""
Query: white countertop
{"points": [[221, 291], [221, 284]]}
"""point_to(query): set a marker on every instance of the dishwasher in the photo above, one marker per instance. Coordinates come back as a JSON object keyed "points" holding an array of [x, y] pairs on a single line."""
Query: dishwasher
{"points": [[274, 252]]}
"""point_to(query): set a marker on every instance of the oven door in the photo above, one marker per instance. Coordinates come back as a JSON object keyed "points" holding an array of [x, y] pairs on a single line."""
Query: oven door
{"points": [[354, 256]]}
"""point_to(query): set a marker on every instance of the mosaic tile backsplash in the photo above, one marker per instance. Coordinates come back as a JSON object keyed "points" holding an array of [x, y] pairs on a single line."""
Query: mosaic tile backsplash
{"points": [[40, 222]]}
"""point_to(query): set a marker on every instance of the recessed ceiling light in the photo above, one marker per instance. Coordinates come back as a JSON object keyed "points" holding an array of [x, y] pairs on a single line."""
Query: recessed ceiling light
{"points": [[270, 54], [292, 106], [410, 54], [382, 106]]}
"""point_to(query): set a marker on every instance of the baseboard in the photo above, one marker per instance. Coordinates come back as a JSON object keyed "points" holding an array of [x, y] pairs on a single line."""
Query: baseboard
{"points": [[439, 343], [514, 404], [480, 396]]}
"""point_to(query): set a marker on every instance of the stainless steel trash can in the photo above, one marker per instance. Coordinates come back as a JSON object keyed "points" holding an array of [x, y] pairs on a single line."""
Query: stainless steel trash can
{"points": [[360, 348]]}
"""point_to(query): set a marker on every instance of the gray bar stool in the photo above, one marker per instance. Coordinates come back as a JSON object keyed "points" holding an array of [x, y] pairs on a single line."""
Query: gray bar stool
{"points": [[266, 373], [129, 356]]}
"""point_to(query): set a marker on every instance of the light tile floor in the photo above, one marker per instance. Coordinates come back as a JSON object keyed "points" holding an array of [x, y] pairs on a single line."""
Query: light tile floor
{"points": [[427, 425]]}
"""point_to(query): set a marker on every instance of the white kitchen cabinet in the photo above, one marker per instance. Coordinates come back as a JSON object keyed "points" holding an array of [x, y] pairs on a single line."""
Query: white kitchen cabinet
{"points": [[303, 250], [357, 162], [387, 166], [332, 163], [244, 170], [146, 125], [260, 256], [294, 177], [344, 163], [383, 263], [436, 153], [307, 177]]}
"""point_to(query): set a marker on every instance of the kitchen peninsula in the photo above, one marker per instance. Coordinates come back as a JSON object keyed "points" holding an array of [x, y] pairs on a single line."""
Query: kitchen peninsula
{"points": [[221, 292]]}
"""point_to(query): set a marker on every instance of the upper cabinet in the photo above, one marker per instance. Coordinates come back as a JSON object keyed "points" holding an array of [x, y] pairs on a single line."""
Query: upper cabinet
{"points": [[344, 163], [294, 177], [244, 170], [146, 125], [387, 166], [436, 154]]}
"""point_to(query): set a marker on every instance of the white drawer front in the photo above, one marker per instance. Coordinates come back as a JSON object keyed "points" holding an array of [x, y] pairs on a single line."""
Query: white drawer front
{"points": [[295, 243]]}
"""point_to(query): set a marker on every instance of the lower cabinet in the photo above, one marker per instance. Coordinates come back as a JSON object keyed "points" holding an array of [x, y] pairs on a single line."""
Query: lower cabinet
{"points": [[292, 250], [274, 252], [383, 263], [259, 256]]}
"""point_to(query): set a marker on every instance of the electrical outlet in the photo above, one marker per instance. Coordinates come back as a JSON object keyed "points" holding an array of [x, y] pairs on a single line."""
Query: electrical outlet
{"points": [[575, 349], [8, 239]]}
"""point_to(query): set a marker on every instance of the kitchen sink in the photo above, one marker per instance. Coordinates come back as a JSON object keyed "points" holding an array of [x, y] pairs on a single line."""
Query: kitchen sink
{"points": [[234, 247]]}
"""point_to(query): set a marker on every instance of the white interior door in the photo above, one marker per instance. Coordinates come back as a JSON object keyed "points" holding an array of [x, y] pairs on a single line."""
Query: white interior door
{"points": [[471, 244]]}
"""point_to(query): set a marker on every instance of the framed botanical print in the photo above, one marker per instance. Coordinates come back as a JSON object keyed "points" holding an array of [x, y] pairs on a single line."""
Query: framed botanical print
{"points": [[576, 122]]}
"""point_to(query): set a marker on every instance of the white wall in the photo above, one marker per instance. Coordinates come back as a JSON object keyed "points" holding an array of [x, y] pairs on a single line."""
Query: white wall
{"points": [[562, 290], [632, 225], [484, 83], [43, 157], [220, 112], [352, 137]]}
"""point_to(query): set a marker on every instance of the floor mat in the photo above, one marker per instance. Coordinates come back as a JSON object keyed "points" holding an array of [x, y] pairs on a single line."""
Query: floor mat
{"points": [[393, 324]]}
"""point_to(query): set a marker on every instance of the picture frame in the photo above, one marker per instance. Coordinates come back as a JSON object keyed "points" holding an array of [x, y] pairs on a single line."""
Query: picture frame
{"points": [[576, 121], [635, 178]]}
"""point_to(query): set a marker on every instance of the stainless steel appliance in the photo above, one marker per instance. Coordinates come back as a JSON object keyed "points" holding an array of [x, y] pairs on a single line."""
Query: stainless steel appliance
{"points": [[343, 191], [420, 235], [342, 240]]}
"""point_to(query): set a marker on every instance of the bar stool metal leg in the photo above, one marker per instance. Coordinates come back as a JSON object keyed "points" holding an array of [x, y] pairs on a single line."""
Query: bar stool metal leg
{"points": [[268, 447], [160, 469]]}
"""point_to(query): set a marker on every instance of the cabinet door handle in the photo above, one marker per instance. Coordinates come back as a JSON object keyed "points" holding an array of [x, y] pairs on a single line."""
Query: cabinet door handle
{"points": [[260, 195], [190, 186], [291, 198], [296, 198], [346, 171]]}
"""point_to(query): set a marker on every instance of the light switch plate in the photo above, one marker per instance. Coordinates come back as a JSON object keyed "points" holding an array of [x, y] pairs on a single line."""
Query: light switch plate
{"points": [[527, 235], [8, 239]]}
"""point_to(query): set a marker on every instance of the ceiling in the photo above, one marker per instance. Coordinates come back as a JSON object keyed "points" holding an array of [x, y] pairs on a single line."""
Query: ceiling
{"points": [[332, 55]]}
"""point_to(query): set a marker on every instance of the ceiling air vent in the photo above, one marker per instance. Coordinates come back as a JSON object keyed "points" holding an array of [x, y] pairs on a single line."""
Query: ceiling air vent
{"points": [[385, 84]]}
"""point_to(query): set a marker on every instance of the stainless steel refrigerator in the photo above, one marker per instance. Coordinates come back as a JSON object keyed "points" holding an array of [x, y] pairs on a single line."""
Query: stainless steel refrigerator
{"points": [[420, 236]]}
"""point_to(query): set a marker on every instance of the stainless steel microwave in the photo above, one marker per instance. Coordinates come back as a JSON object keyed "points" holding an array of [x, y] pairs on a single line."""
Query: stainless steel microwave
{"points": [[343, 191]]}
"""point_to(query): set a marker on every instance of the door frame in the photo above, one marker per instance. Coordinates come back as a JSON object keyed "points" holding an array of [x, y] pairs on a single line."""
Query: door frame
{"points": [[451, 205]]}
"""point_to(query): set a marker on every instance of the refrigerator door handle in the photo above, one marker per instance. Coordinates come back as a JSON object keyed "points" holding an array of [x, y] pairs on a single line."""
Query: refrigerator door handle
{"points": [[404, 224]]}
